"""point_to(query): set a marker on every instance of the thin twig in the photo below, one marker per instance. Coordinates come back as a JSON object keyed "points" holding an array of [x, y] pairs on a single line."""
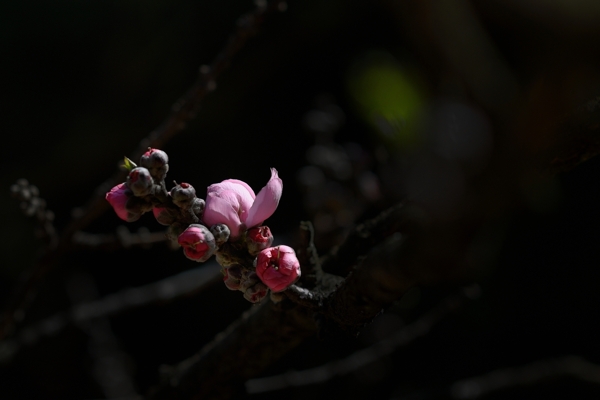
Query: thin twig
{"points": [[529, 374], [308, 256], [110, 365], [535, 373], [123, 238], [304, 297], [168, 289]]}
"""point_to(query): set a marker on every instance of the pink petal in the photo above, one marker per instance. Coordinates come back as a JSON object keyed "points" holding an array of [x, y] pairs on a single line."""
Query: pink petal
{"points": [[266, 202], [238, 186], [222, 208], [245, 194], [241, 195]]}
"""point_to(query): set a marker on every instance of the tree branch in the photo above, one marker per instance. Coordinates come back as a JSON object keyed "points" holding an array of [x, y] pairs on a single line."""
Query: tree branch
{"points": [[183, 284], [366, 356], [360, 241]]}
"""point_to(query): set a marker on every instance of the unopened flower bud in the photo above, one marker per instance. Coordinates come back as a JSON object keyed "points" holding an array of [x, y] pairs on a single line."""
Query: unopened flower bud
{"points": [[140, 182], [236, 271], [197, 242], [278, 267], [153, 158], [256, 293], [232, 276], [183, 195], [118, 197], [220, 232], [157, 162], [198, 207], [163, 216], [248, 279], [258, 239]]}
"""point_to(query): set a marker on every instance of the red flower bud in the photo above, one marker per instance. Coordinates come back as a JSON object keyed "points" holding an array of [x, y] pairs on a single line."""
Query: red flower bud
{"points": [[278, 267], [197, 242], [258, 238]]}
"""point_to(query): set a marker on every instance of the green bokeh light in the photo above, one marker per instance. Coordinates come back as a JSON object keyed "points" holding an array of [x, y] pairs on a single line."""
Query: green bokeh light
{"points": [[388, 98]]}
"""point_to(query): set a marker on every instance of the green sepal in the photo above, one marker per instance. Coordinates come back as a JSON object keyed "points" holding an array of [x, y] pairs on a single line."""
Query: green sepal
{"points": [[128, 164]]}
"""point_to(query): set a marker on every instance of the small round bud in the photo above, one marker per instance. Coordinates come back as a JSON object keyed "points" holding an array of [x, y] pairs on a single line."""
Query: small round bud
{"points": [[248, 279], [236, 271], [220, 232], [157, 162], [256, 293], [140, 182], [197, 242], [153, 158], [183, 195], [232, 276], [198, 207], [258, 239]]}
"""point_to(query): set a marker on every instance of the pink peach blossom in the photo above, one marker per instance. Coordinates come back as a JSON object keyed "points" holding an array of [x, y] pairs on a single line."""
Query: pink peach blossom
{"points": [[233, 203], [278, 267], [118, 197], [197, 242]]}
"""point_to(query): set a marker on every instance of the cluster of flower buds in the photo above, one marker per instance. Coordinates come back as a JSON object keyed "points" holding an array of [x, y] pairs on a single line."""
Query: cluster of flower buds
{"points": [[134, 197], [236, 277], [229, 224]]}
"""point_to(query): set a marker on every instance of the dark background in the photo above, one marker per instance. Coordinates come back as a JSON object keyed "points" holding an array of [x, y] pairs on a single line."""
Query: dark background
{"points": [[84, 82]]}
